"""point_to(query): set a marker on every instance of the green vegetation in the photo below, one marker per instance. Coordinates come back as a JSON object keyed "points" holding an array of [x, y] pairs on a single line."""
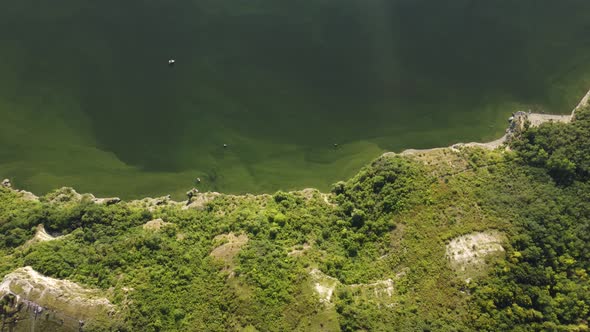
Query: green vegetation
{"points": [[544, 285], [371, 256]]}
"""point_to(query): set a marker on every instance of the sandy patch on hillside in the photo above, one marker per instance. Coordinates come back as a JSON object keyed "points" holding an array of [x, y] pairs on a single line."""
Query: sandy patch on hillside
{"points": [[380, 290], [324, 285], [230, 248], [41, 235], [299, 250], [155, 225], [467, 254]]}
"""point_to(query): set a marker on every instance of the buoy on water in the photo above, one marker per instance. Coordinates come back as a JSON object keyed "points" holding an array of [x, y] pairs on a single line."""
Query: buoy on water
{"points": [[171, 62]]}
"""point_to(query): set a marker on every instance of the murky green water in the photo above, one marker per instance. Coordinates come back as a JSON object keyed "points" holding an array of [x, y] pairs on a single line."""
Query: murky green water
{"points": [[87, 98]]}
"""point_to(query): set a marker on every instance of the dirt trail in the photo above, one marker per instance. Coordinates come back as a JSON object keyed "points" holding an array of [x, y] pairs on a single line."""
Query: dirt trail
{"points": [[537, 119]]}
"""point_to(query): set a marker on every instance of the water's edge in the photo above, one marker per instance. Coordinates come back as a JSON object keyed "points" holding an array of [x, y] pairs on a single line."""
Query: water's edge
{"points": [[197, 199]]}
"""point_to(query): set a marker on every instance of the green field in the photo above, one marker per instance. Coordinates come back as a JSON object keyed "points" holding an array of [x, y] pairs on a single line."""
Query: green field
{"points": [[87, 98]]}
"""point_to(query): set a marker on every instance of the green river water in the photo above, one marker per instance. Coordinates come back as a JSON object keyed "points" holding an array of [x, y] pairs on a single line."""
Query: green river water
{"points": [[87, 98]]}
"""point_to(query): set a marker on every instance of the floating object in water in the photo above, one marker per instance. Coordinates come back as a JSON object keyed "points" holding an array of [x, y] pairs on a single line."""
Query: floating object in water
{"points": [[198, 180], [171, 62], [335, 145], [225, 145]]}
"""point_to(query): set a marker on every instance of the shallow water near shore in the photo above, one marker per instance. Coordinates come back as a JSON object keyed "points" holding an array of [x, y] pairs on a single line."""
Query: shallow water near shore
{"points": [[87, 98]]}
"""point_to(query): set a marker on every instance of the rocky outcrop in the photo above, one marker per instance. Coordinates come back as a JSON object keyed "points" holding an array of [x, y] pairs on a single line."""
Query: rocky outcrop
{"points": [[69, 195], [107, 201], [28, 196], [33, 302], [192, 193], [6, 183], [153, 203], [24, 194], [63, 195], [199, 200]]}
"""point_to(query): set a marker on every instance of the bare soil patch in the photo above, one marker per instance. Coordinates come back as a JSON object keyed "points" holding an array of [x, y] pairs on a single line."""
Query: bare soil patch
{"points": [[468, 254], [229, 249], [155, 225]]}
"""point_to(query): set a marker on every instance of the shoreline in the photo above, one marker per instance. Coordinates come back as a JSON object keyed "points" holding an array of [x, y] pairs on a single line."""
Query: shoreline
{"points": [[515, 123], [198, 199]]}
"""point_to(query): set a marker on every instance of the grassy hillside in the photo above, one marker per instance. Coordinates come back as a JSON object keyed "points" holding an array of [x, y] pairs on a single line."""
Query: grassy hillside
{"points": [[450, 240]]}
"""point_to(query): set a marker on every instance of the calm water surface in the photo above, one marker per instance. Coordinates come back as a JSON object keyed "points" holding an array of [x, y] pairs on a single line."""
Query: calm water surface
{"points": [[87, 98]]}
